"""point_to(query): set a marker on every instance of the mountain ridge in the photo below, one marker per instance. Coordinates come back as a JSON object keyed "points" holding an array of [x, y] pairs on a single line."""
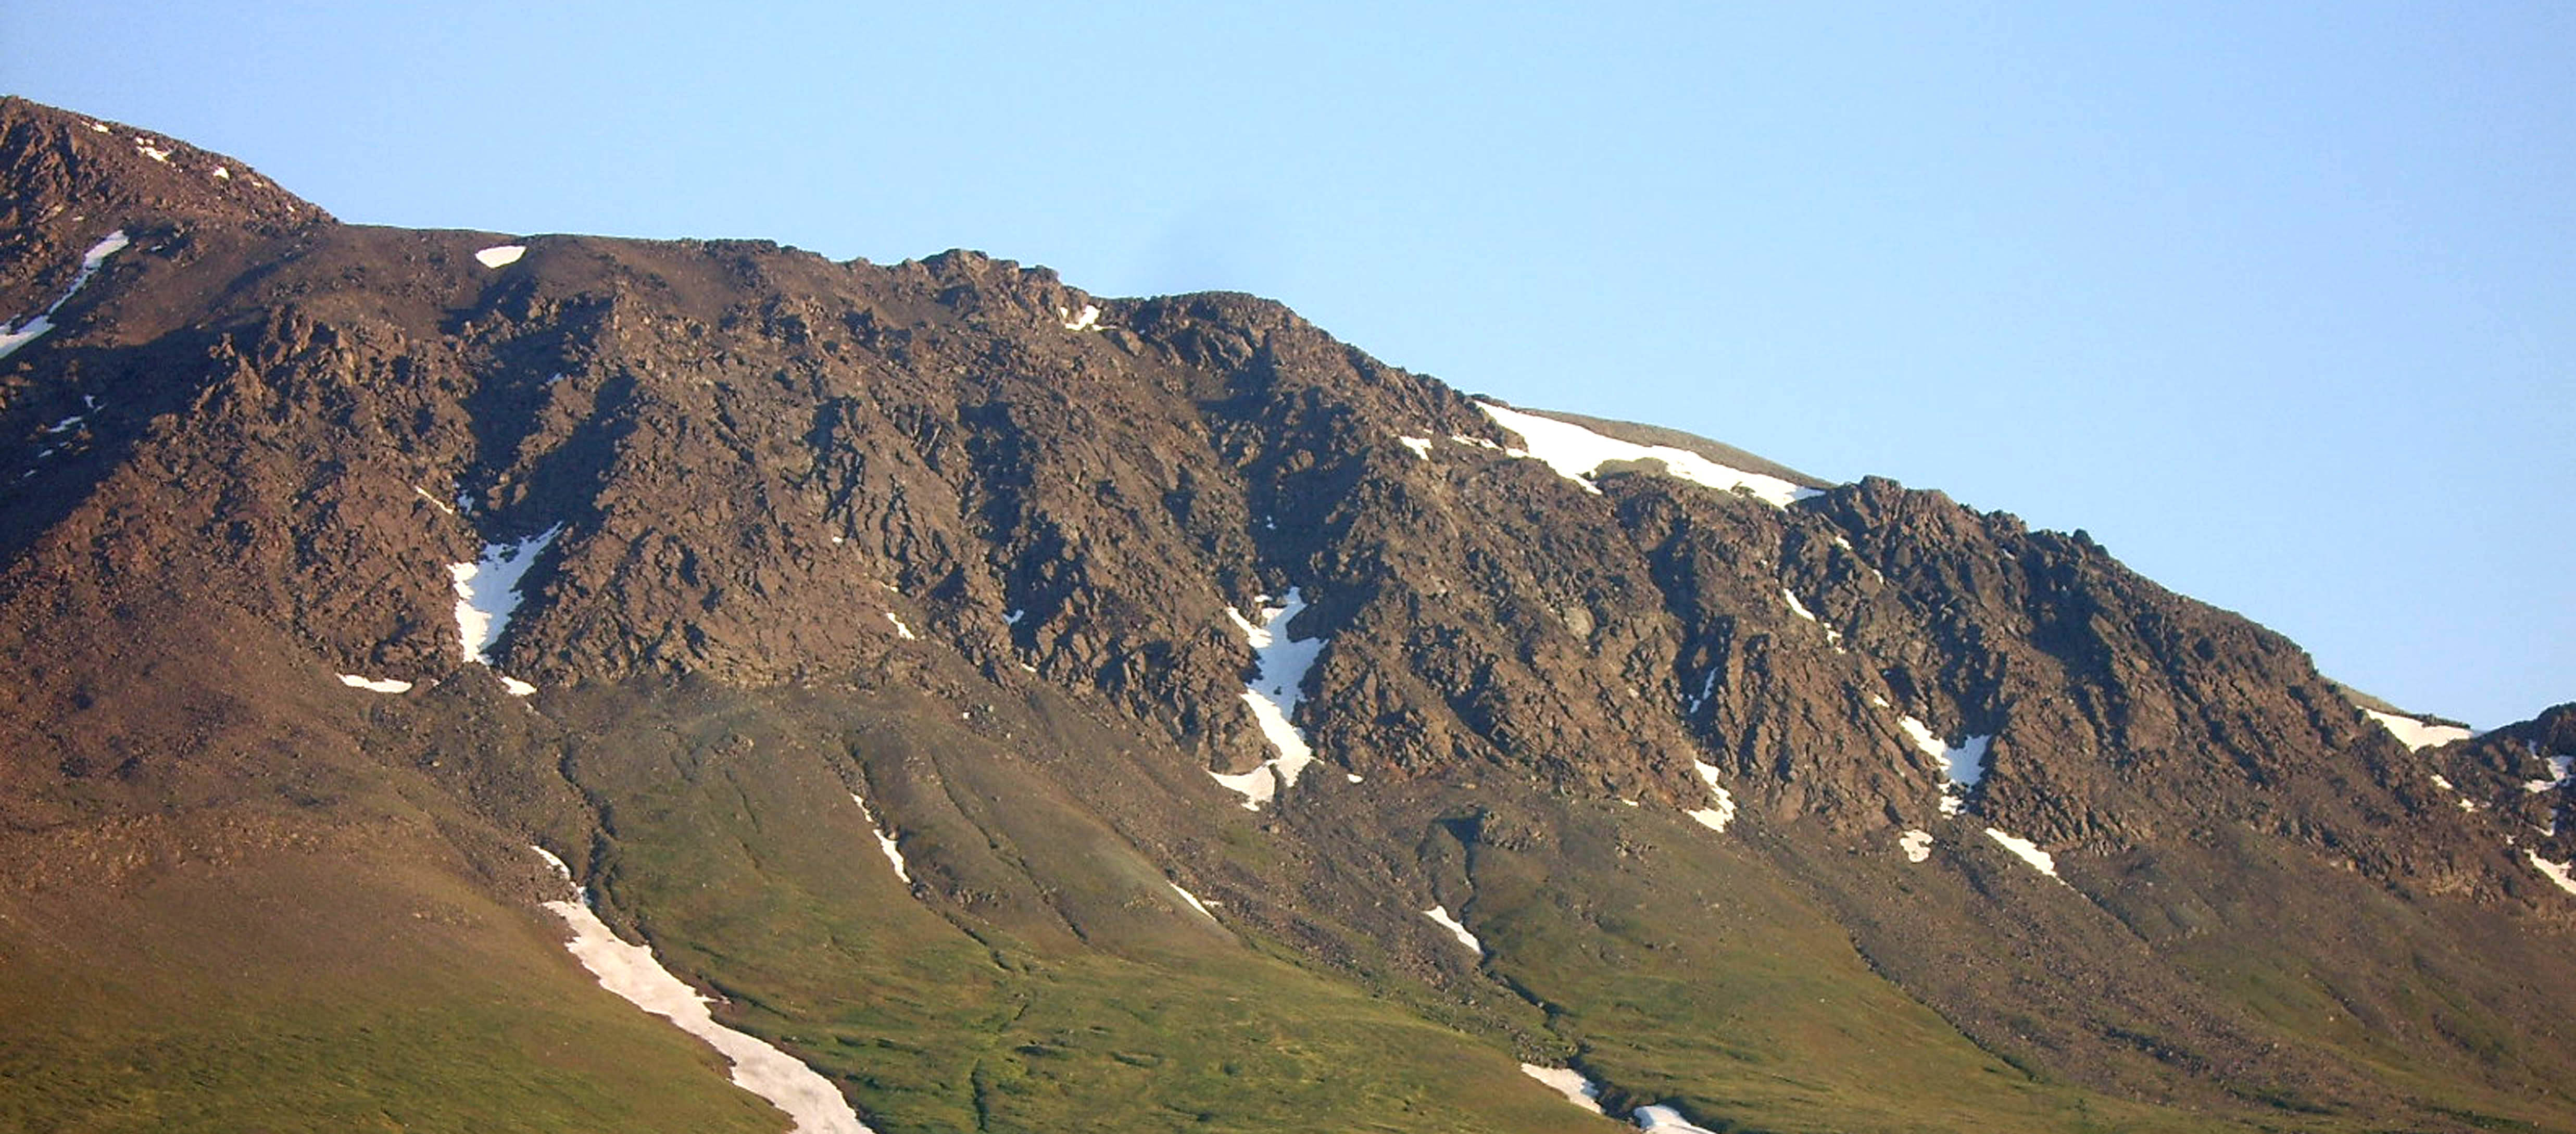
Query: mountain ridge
{"points": [[960, 539]]}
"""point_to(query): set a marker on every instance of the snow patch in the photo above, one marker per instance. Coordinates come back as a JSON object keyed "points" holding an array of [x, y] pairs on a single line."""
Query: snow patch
{"points": [[1421, 446], [1714, 818], [375, 684], [1961, 766], [500, 255], [1667, 1119], [905, 632], [2562, 873], [634, 975], [885, 842], [20, 335], [2414, 734], [101, 127], [1569, 1082], [1576, 453], [1087, 319], [1832, 636], [2027, 851], [515, 687], [487, 591], [1917, 845], [2561, 770], [1707, 688], [145, 147], [562, 871], [1281, 663], [1191, 898], [1441, 914], [222, 174]]}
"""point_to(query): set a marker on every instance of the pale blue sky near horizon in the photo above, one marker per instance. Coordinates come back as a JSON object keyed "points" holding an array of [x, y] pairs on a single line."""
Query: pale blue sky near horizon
{"points": [[2277, 301]]}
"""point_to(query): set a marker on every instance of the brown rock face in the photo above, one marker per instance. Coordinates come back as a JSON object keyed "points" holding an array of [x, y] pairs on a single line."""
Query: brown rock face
{"points": [[963, 538]]}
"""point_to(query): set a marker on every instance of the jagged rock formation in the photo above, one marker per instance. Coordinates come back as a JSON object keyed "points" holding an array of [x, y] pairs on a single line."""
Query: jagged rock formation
{"points": [[1741, 804]]}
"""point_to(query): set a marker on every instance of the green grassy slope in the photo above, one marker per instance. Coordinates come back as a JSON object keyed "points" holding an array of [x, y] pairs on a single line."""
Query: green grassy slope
{"points": [[322, 978]]}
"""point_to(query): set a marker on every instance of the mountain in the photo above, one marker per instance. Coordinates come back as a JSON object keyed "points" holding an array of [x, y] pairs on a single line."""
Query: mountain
{"points": [[1029, 710]]}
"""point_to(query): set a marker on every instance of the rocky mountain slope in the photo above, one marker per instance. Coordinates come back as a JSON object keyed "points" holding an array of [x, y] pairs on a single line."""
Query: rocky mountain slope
{"points": [[1031, 710]]}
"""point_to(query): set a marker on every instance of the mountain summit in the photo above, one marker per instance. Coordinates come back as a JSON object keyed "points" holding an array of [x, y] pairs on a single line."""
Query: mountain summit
{"points": [[962, 702]]}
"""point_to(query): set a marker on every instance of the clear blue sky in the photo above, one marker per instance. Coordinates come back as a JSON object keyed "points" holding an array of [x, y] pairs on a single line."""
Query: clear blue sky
{"points": [[2280, 304]]}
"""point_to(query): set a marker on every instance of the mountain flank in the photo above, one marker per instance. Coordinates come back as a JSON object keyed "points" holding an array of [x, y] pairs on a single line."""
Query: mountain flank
{"points": [[1032, 710]]}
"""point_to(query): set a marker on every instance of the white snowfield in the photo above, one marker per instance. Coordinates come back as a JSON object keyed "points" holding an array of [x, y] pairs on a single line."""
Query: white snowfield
{"points": [[375, 684], [2417, 735], [885, 842], [1087, 319], [2027, 851], [1961, 767], [1833, 637], [1569, 1082], [1668, 1119], [1191, 898], [487, 590], [500, 255], [1441, 914], [26, 332], [630, 971], [1917, 845], [1714, 818], [2561, 769], [487, 593], [1575, 453], [1282, 663], [1421, 446], [2562, 873]]}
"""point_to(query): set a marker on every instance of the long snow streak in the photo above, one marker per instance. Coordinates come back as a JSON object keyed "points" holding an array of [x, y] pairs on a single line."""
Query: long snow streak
{"points": [[2027, 851], [2562, 873], [1714, 818], [1441, 914], [885, 842], [11, 338], [487, 591], [1667, 1119], [2417, 735], [1575, 453], [1191, 898], [2561, 770], [1282, 663], [631, 972], [1569, 1082], [1962, 765]]}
